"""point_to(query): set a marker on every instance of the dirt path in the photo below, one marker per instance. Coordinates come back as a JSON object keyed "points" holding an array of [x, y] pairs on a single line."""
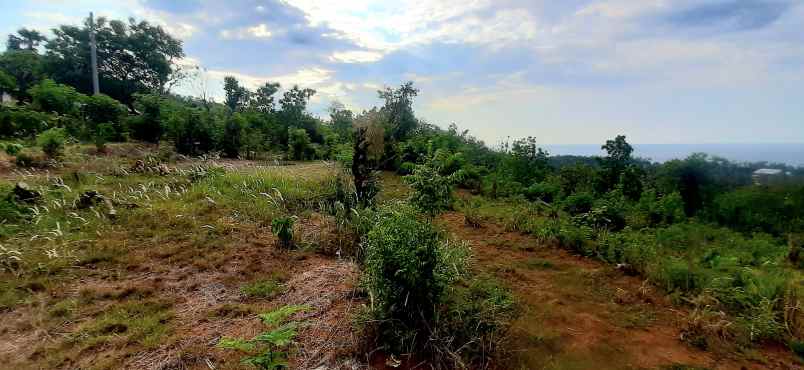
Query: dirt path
{"points": [[581, 314]]}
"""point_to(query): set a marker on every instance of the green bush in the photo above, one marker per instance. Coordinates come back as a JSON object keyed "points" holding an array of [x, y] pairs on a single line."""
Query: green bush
{"points": [[48, 96], [406, 168], [282, 227], [52, 142], [13, 149], [578, 203], [299, 145], [432, 191], [403, 276], [544, 191], [103, 133], [102, 109]]}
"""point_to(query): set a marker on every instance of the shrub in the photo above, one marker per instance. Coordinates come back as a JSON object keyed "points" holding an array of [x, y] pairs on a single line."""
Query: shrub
{"points": [[13, 149], [103, 133], [578, 203], [299, 145], [403, 277], [473, 325], [406, 168], [543, 191], [48, 96], [432, 191], [52, 142], [99, 109], [27, 123], [282, 227]]}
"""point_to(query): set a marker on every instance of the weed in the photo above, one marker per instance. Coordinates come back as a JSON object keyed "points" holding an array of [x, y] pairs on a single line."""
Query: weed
{"points": [[282, 227], [262, 289], [269, 349]]}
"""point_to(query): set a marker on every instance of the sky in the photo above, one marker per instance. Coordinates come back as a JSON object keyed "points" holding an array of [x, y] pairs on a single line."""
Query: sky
{"points": [[569, 71]]}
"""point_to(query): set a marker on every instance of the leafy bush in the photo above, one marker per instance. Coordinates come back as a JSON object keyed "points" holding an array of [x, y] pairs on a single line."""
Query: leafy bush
{"points": [[13, 149], [403, 275], [406, 168], [282, 227], [52, 142], [103, 133], [48, 96], [26, 123], [432, 191], [544, 191], [299, 145], [102, 109], [578, 203]]}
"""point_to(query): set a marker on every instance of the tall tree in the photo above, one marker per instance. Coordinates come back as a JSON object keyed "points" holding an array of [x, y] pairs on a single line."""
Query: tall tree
{"points": [[341, 119], [133, 57], [262, 100], [236, 95], [25, 67], [25, 39], [398, 109]]}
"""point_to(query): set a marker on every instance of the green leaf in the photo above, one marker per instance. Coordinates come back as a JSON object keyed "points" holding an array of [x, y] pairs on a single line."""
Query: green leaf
{"points": [[281, 336]]}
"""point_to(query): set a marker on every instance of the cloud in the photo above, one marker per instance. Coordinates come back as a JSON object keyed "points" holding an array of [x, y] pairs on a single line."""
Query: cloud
{"points": [[256, 32], [737, 15], [356, 56]]}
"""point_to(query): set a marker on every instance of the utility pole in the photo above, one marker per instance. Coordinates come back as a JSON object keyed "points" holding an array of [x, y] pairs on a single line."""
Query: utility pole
{"points": [[93, 55]]}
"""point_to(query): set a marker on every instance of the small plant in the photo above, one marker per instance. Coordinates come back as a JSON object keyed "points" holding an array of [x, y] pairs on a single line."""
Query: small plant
{"points": [[268, 350], [103, 133], [13, 149], [52, 142], [472, 216], [282, 227], [262, 289]]}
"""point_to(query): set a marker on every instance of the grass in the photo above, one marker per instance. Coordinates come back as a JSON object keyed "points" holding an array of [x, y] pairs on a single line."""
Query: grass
{"points": [[266, 289], [164, 224]]}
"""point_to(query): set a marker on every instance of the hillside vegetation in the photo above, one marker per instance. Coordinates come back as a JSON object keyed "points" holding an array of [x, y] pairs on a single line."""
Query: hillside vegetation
{"points": [[143, 229]]}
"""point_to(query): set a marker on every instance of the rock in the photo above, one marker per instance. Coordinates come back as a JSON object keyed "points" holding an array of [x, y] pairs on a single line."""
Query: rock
{"points": [[24, 192]]}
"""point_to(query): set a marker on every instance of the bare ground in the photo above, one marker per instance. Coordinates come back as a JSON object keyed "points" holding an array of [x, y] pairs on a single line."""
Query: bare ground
{"points": [[581, 314]]}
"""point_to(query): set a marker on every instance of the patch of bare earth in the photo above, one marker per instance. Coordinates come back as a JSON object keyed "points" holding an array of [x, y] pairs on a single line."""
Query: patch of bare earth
{"points": [[578, 313]]}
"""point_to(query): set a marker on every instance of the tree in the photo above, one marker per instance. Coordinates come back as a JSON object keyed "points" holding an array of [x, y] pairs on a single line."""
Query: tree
{"points": [[49, 96], [341, 119], [294, 103], [148, 124], [398, 109], [617, 159], [528, 162], [25, 67], [133, 57], [7, 83], [236, 95], [298, 144], [233, 135], [262, 100], [27, 39]]}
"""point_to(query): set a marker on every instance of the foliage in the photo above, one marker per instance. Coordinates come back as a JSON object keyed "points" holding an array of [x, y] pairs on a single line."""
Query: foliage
{"points": [[98, 109], [48, 96], [133, 57], [52, 142], [402, 274], [268, 350], [282, 227], [299, 144], [432, 190]]}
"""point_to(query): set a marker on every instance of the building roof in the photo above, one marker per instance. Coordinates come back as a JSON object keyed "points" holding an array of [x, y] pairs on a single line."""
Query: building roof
{"points": [[767, 171]]}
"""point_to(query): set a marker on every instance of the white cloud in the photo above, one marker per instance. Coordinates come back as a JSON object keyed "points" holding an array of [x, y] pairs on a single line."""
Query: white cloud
{"points": [[256, 32], [356, 56]]}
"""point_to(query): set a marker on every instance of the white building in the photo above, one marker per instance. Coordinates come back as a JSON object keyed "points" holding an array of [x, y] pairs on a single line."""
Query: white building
{"points": [[765, 176]]}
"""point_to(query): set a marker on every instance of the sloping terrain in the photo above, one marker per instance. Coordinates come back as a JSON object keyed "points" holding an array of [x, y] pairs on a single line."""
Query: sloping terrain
{"points": [[580, 314]]}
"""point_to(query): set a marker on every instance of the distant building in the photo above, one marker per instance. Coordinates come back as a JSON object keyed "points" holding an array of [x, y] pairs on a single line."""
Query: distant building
{"points": [[766, 176], [6, 99]]}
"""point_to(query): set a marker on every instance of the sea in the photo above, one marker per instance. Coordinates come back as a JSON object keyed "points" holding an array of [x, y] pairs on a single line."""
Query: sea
{"points": [[791, 154]]}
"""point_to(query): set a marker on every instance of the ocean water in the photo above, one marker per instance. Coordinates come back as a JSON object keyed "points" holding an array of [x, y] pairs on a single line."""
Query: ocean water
{"points": [[788, 153]]}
